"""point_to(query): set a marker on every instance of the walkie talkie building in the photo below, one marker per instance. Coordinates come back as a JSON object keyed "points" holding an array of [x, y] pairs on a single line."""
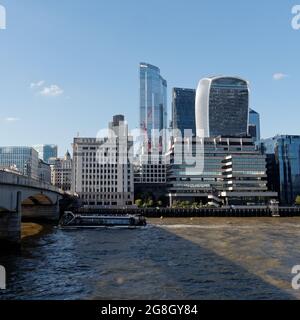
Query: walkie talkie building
{"points": [[222, 107]]}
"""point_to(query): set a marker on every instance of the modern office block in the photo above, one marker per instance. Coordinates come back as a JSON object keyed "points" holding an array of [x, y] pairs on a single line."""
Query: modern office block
{"points": [[23, 159], [102, 170], [183, 110], [46, 151], [222, 107], [285, 166]]}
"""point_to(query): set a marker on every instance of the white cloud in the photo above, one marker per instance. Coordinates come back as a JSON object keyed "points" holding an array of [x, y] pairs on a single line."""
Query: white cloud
{"points": [[37, 84], [279, 76], [11, 119], [52, 91]]}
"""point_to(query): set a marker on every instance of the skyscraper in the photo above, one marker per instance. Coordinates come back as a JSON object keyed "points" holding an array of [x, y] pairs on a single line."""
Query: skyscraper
{"points": [[153, 106], [183, 110], [254, 124], [222, 107], [46, 151]]}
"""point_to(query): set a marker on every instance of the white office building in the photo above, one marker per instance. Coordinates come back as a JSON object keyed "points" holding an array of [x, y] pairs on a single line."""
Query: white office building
{"points": [[102, 170]]}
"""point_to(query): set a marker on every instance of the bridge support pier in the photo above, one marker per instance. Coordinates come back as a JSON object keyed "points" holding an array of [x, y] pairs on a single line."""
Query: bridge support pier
{"points": [[10, 225]]}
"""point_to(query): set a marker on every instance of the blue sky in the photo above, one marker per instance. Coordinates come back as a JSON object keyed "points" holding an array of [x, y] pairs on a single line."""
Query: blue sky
{"points": [[67, 66]]}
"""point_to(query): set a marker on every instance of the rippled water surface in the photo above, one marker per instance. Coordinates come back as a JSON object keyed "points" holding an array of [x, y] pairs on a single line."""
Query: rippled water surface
{"points": [[170, 259]]}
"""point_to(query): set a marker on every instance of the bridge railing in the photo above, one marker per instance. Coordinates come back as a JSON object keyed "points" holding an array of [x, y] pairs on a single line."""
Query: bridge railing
{"points": [[10, 178]]}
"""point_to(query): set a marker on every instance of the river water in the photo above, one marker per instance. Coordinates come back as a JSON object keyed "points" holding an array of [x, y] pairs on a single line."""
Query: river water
{"points": [[203, 258]]}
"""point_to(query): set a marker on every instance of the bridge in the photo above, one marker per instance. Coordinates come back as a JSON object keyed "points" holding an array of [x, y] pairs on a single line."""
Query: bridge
{"points": [[21, 196]]}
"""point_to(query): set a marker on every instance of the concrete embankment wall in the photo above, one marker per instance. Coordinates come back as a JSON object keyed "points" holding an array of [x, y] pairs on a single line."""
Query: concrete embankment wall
{"points": [[203, 212]]}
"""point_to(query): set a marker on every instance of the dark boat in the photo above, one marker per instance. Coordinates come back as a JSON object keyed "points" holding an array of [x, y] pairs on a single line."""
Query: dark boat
{"points": [[94, 220]]}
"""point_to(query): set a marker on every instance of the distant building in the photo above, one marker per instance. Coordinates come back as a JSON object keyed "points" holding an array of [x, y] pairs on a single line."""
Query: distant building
{"points": [[23, 159], [230, 172], [102, 173], [61, 172], [283, 152], [254, 125], [46, 151], [153, 107], [183, 110], [222, 107], [150, 178], [44, 172]]}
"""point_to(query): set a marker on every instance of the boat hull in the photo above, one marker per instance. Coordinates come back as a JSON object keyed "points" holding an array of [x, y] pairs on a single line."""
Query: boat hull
{"points": [[71, 220]]}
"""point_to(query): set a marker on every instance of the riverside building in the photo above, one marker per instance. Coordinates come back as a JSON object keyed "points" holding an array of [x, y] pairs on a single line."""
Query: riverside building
{"points": [[102, 168], [217, 171], [24, 159], [283, 152], [61, 172]]}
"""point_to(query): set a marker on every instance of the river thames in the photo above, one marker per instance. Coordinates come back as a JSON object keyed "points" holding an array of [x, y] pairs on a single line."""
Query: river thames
{"points": [[200, 258]]}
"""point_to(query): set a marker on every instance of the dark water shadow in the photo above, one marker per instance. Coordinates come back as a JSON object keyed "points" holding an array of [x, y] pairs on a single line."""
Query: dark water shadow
{"points": [[127, 264]]}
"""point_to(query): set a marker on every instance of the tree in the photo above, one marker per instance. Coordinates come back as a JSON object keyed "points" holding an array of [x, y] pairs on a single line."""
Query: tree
{"points": [[150, 203], [297, 201], [139, 202]]}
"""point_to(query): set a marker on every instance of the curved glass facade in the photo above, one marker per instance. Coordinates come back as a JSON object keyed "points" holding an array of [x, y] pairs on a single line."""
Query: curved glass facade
{"points": [[153, 101], [222, 107]]}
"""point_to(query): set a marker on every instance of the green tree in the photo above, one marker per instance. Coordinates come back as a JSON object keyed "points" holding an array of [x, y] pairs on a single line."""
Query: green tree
{"points": [[297, 201], [139, 202], [150, 203]]}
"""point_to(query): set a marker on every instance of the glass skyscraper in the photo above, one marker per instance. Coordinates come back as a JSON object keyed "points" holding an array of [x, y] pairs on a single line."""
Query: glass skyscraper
{"points": [[46, 151], [286, 149], [183, 110], [222, 107], [254, 125], [153, 106], [25, 159]]}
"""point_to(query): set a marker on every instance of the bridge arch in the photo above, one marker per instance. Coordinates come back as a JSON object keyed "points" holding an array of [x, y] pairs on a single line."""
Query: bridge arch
{"points": [[37, 199]]}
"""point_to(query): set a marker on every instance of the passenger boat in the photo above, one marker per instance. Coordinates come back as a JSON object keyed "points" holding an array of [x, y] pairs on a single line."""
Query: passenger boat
{"points": [[94, 220]]}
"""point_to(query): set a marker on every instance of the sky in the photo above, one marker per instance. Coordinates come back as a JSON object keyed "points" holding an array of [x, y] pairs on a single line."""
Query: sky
{"points": [[67, 66]]}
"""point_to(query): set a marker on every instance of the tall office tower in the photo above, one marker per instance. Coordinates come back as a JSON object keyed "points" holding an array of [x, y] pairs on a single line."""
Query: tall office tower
{"points": [[153, 108], [254, 125], [286, 164], [46, 151], [222, 107], [102, 170], [183, 110], [24, 159]]}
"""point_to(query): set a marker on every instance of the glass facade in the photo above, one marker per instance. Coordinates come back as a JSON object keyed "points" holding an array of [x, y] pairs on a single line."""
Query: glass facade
{"points": [[254, 125], [46, 151], [25, 159], [183, 110], [287, 163], [153, 104], [228, 107]]}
